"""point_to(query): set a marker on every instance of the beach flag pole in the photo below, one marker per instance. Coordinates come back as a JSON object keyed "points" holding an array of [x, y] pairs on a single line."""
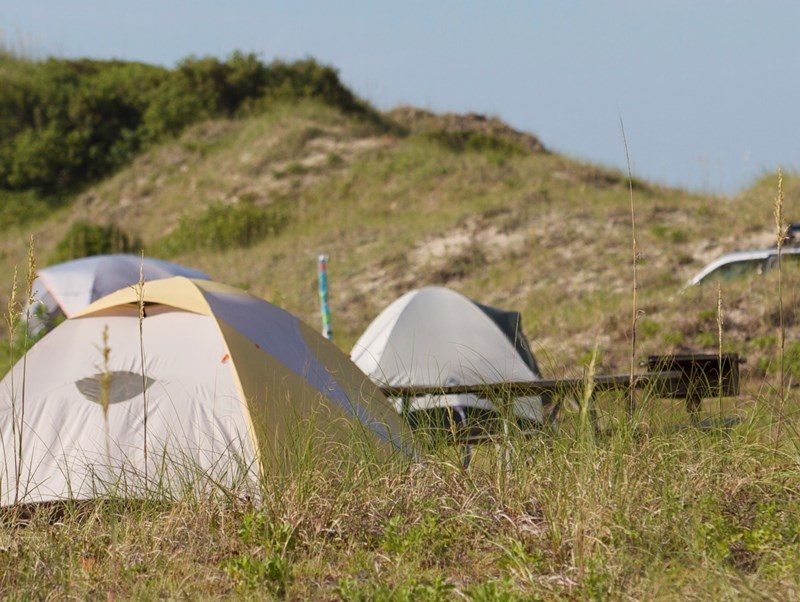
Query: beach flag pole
{"points": [[325, 310]]}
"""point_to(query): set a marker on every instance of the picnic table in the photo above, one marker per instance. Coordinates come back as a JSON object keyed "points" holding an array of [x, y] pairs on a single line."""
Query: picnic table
{"points": [[692, 377]]}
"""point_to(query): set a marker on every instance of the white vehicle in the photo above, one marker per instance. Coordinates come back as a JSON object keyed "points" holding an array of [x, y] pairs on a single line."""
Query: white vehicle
{"points": [[742, 263]]}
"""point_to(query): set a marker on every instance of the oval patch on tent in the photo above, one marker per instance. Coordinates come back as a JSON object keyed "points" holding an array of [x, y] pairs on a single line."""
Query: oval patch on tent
{"points": [[118, 386]]}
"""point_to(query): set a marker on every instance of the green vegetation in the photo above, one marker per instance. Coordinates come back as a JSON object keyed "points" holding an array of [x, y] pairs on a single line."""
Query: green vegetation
{"points": [[666, 514], [22, 340], [66, 123], [84, 239], [222, 227], [21, 207], [461, 141], [674, 235]]}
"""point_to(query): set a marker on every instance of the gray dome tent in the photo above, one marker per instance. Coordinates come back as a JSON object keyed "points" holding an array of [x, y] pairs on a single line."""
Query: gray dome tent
{"points": [[437, 337], [67, 288]]}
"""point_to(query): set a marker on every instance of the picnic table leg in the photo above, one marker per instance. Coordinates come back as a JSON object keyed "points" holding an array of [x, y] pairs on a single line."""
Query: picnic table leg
{"points": [[503, 447], [693, 401], [466, 455], [551, 413], [506, 446], [461, 432], [593, 414], [630, 403], [405, 406]]}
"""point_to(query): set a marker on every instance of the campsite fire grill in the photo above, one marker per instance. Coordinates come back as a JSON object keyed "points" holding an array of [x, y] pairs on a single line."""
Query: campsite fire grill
{"points": [[692, 377]]}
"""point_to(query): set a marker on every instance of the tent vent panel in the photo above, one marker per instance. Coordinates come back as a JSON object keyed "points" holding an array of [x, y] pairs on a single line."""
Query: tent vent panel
{"points": [[122, 386]]}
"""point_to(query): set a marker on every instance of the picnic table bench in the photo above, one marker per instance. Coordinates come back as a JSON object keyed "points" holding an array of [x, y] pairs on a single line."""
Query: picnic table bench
{"points": [[690, 376]]}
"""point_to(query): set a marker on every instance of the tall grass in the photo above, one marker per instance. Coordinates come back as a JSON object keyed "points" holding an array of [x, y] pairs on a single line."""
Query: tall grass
{"points": [[671, 512], [663, 515], [20, 420], [12, 315], [720, 324], [141, 316], [780, 238], [634, 272]]}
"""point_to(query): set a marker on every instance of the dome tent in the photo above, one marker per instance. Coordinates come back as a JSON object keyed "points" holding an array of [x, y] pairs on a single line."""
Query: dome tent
{"points": [[437, 337], [66, 288], [229, 382]]}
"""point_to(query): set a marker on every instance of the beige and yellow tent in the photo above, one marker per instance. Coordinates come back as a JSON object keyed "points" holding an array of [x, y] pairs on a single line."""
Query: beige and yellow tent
{"points": [[231, 386]]}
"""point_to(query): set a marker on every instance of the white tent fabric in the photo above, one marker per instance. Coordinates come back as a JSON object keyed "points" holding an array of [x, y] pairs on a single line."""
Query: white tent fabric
{"points": [[71, 286], [194, 408], [230, 382], [437, 337]]}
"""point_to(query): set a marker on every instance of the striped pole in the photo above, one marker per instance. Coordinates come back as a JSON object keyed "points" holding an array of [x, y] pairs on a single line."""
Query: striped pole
{"points": [[325, 310]]}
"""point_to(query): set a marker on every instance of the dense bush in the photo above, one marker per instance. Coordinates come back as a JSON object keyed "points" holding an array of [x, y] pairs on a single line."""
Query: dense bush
{"points": [[465, 140], [223, 227], [19, 207], [84, 239], [64, 123]]}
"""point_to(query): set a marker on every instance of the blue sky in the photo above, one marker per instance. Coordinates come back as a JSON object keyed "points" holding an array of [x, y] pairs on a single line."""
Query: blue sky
{"points": [[709, 90]]}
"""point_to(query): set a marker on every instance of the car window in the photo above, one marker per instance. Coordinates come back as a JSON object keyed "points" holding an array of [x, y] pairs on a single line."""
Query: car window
{"points": [[736, 269], [786, 258]]}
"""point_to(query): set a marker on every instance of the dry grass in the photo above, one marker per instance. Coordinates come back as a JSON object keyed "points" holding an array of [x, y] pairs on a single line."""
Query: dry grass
{"points": [[661, 514], [553, 234]]}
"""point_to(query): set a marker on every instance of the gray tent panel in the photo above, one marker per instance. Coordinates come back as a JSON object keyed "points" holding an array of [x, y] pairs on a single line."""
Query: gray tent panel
{"points": [[510, 323]]}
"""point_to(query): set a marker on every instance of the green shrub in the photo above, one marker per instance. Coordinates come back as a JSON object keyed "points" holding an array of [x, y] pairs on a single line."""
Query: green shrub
{"points": [[412, 589], [671, 234], [791, 360], [464, 140], [268, 565], [251, 572], [674, 338], [18, 208], [14, 348], [84, 239], [648, 327], [66, 123], [292, 169], [223, 227], [706, 339], [309, 79], [73, 121], [765, 342], [335, 160], [492, 591]]}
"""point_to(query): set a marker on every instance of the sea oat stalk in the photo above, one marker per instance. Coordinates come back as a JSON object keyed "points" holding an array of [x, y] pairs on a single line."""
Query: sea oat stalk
{"points": [[29, 300], [780, 238], [140, 299], [720, 323], [12, 319], [634, 283], [105, 390]]}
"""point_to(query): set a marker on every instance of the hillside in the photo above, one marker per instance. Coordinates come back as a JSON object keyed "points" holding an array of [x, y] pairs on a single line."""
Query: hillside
{"points": [[462, 201], [399, 200]]}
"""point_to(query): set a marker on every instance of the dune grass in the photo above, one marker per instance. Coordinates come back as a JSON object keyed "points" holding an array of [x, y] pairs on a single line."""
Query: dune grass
{"points": [[653, 512]]}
